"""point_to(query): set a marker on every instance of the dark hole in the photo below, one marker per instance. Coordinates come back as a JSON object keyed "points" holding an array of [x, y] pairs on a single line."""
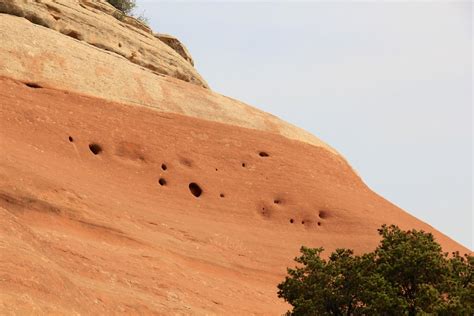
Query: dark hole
{"points": [[95, 148], [162, 181], [119, 44], [292, 220], [222, 195], [302, 222], [33, 85], [71, 139], [243, 164], [277, 201], [195, 189], [263, 154], [74, 34], [323, 214], [217, 169], [163, 166], [319, 223]]}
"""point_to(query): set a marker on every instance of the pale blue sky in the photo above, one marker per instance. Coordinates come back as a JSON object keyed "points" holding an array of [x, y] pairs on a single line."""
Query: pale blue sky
{"points": [[388, 84]]}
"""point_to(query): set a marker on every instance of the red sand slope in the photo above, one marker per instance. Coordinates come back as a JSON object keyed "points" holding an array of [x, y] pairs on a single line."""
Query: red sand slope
{"points": [[98, 233]]}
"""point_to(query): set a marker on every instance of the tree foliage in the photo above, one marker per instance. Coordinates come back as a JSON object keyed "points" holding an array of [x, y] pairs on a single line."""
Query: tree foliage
{"points": [[407, 274], [126, 6]]}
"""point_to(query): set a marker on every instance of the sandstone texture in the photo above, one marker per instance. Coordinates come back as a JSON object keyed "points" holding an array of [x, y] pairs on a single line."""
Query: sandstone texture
{"points": [[176, 45], [127, 191], [97, 23], [32, 53]]}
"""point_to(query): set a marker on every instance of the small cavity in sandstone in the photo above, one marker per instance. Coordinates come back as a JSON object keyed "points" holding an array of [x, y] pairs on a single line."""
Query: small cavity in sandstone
{"points": [[319, 223], [71, 139], [323, 214], [74, 34], [95, 148], [263, 154], [162, 181], [292, 220], [243, 165], [277, 201], [33, 85], [222, 195], [163, 167], [195, 189]]}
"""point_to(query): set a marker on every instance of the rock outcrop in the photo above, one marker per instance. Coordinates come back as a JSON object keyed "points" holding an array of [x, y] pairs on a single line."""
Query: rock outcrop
{"points": [[32, 53], [127, 191], [176, 45], [97, 23]]}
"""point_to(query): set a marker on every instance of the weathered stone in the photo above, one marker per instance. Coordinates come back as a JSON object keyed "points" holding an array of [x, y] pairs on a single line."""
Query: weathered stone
{"points": [[99, 24]]}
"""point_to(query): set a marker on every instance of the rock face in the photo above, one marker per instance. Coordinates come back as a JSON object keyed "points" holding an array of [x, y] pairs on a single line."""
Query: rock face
{"points": [[97, 23], [124, 191], [176, 45], [32, 53]]}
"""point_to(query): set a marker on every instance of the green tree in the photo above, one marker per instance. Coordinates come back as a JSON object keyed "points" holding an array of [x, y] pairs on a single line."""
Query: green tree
{"points": [[414, 265], [407, 274], [343, 285], [126, 6]]}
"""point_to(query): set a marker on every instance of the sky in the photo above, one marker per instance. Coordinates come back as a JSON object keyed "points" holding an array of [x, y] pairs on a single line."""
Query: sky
{"points": [[388, 84]]}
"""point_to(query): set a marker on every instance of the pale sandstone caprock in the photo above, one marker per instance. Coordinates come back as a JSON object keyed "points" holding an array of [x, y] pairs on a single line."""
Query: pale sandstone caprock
{"points": [[98, 23], [176, 45]]}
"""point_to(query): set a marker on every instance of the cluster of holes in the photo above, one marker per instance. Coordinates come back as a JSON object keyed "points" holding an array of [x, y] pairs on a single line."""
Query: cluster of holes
{"points": [[194, 188]]}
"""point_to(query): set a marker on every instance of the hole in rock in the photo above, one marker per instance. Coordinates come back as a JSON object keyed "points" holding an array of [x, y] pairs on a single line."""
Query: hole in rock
{"points": [[119, 44], [277, 201], [244, 165], [33, 85], [95, 148], [302, 222], [74, 34], [222, 195], [263, 154], [71, 139], [323, 214], [195, 189], [292, 220], [163, 167], [319, 223], [162, 181]]}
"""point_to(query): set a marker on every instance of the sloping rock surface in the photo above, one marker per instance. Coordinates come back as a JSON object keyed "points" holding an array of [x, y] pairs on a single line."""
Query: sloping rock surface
{"points": [[99, 24], [32, 53], [101, 210], [126, 191]]}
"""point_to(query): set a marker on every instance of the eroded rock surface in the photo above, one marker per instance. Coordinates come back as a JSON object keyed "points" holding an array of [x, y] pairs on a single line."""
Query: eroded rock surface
{"points": [[32, 53], [99, 24], [127, 191], [107, 208]]}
